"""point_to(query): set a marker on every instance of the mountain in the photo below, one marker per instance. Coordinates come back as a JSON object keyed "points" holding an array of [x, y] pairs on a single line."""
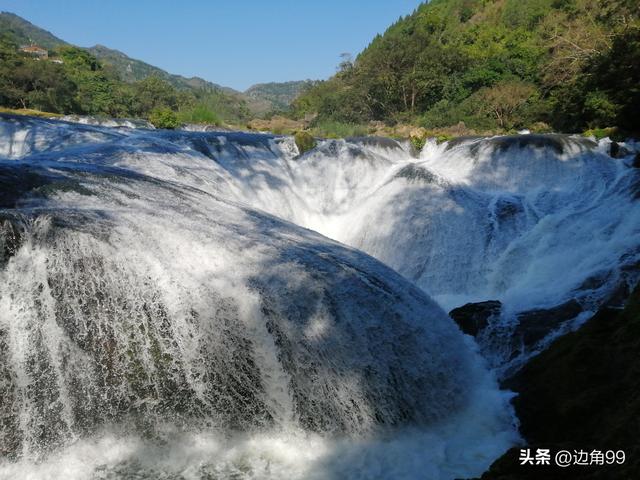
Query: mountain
{"points": [[24, 32], [132, 70], [278, 96], [259, 99], [129, 69], [494, 65]]}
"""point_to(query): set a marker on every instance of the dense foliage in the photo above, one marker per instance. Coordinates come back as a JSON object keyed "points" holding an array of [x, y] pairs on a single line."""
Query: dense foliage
{"points": [[72, 80], [493, 64]]}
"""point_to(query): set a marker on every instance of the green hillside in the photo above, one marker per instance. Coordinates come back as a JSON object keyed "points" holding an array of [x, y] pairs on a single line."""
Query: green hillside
{"points": [[278, 96], [132, 70], [229, 104], [494, 64], [257, 100], [25, 33], [110, 88]]}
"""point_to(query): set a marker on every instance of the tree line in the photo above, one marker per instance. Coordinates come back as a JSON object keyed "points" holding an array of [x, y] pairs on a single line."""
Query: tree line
{"points": [[493, 64]]}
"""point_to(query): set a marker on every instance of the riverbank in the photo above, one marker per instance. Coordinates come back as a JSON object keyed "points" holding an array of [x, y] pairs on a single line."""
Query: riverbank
{"points": [[280, 125]]}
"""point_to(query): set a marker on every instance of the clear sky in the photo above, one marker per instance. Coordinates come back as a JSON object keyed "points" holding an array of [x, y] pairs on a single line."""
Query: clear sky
{"points": [[234, 43]]}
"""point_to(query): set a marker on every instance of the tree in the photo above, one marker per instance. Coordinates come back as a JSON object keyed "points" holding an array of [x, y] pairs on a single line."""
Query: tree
{"points": [[153, 93], [503, 100]]}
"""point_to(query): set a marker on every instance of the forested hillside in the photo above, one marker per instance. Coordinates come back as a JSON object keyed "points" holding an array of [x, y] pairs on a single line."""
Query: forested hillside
{"points": [[494, 64], [24, 33], [278, 95], [102, 81]]}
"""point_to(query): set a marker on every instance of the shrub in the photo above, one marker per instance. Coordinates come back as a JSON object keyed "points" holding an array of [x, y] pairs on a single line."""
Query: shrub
{"points": [[164, 117], [540, 127], [418, 142], [199, 114], [304, 141], [600, 133]]}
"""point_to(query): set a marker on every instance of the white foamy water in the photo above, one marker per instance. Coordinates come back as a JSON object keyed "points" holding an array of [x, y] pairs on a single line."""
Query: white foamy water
{"points": [[165, 313], [153, 325]]}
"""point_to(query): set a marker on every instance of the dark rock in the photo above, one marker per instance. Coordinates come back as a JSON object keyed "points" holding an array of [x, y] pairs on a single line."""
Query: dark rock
{"points": [[11, 238], [582, 393], [414, 173], [636, 161], [595, 281], [534, 325], [474, 317], [617, 151], [618, 296], [373, 141], [456, 142], [508, 207]]}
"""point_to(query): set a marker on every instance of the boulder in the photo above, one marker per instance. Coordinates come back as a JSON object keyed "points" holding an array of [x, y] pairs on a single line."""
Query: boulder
{"points": [[474, 317], [534, 325], [617, 296], [617, 151], [582, 393]]}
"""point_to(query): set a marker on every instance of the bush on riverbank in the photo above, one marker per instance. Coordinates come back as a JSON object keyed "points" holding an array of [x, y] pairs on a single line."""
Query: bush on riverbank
{"points": [[304, 142], [163, 117]]}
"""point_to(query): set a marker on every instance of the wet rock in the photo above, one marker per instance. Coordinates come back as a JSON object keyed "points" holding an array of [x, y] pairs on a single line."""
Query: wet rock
{"points": [[456, 142], [414, 173], [617, 151], [582, 393], [534, 325], [558, 143], [11, 239], [474, 317], [595, 281], [508, 207], [618, 296], [373, 141], [636, 161]]}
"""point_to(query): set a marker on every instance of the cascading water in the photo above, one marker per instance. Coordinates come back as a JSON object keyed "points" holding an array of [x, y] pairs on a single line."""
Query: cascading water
{"points": [[153, 327], [156, 321]]}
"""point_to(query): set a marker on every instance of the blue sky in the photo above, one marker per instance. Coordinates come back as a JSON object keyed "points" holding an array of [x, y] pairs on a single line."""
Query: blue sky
{"points": [[233, 43]]}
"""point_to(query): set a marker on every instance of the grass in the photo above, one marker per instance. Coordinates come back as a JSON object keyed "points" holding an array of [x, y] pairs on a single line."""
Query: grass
{"points": [[332, 129], [29, 112], [199, 114], [599, 133]]}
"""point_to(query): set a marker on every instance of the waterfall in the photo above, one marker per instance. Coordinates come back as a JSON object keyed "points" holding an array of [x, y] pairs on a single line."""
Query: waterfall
{"points": [[197, 304], [154, 324]]}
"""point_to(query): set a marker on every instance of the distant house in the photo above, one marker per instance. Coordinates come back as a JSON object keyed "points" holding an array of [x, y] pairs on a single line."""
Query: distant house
{"points": [[35, 51]]}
